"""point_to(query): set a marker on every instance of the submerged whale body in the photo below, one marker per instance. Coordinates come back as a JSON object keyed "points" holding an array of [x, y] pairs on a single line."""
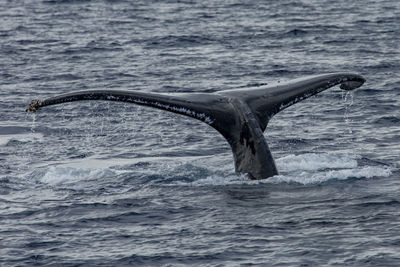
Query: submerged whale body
{"points": [[241, 116]]}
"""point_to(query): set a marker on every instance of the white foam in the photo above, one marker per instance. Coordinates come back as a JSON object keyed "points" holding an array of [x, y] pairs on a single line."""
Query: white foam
{"points": [[28, 137], [324, 176], [318, 168], [218, 180], [303, 169], [315, 161], [306, 169], [63, 175], [4, 139]]}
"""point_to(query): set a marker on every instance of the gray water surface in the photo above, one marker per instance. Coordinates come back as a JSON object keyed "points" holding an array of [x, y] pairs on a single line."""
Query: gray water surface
{"points": [[114, 184]]}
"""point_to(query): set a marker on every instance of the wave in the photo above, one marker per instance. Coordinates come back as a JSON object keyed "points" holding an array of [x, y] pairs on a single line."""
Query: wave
{"points": [[6, 139], [67, 175], [315, 161], [324, 176], [305, 169]]}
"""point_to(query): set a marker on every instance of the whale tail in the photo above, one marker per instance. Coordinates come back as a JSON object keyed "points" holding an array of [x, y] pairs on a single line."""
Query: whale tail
{"points": [[241, 115]]}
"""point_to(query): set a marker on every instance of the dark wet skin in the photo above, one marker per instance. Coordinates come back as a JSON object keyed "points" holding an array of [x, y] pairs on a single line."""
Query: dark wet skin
{"points": [[241, 116]]}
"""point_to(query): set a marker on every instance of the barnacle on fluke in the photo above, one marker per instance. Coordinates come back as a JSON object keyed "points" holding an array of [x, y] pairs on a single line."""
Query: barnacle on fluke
{"points": [[34, 105]]}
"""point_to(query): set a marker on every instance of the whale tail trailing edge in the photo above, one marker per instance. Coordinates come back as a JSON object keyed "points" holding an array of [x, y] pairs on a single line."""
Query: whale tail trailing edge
{"points": [[267, 101], [241, 116]]}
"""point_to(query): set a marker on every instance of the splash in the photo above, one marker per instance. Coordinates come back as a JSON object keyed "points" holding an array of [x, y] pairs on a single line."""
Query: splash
{"points": [[307, 169], [23, 138], [324, 176], [348, 98], [67, 175], [315, 161]]}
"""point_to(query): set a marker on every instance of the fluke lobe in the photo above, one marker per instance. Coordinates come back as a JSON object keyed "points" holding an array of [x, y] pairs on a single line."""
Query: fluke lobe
{"points": [[241, 115]]}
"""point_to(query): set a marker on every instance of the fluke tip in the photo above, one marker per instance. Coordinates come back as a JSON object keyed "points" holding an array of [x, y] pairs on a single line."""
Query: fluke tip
{"points": [[33, 106]]}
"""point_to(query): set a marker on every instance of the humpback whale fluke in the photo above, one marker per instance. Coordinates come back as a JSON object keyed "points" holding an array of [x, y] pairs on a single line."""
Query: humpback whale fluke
{"points": [[241, 115]]}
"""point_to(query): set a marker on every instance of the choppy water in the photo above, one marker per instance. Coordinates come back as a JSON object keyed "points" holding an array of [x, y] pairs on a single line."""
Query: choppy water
{"points": [[111, 184]]}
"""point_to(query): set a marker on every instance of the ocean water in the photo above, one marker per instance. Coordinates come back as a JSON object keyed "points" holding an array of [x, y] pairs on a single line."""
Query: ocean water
{"points": [[114, 184]]}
